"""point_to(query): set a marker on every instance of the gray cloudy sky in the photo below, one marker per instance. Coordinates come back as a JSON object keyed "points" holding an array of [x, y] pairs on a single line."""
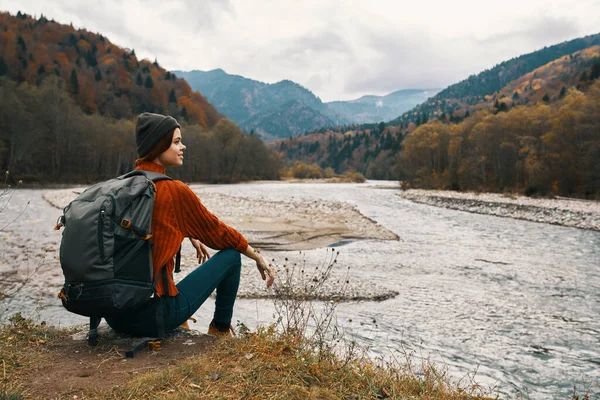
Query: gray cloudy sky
{"points": [[338, 49]]}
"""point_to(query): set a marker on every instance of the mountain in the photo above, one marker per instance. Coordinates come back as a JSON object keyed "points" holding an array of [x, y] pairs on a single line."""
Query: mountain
{"points": [[252, 104], [290, 117], [369, 109], [100, 76], [476, 87]]}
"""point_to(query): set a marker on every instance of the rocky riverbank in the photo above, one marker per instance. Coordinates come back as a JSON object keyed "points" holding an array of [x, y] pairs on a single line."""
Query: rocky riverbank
{"points": [[575, 213]]}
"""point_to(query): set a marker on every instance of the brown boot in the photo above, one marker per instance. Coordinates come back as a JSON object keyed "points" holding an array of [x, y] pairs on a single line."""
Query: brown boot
{"points": [[212, 330]]}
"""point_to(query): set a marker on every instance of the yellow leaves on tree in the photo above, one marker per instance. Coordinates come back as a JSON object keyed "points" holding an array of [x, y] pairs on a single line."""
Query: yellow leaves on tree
{"points": [[540, 148]]}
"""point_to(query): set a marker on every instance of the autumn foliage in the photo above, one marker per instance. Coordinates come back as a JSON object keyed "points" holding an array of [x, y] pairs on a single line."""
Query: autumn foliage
{"points": [[537, 149], [101, 77], [45, 137]]}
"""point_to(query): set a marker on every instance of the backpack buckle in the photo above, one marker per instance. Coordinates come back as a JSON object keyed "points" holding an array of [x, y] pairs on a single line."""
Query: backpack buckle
{"points": [[125, 223], [154, 346]]}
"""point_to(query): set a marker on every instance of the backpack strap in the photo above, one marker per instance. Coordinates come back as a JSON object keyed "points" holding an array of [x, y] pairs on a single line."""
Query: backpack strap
{"points": [[153, 176], [178, 261], [162, 321], [92, 337]]}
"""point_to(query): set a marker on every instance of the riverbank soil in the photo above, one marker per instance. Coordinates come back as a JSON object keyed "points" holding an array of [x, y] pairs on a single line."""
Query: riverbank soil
{"points": [[43, 362]]}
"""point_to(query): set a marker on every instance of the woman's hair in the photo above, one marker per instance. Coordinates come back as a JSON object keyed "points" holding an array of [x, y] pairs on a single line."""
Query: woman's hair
{"points": [[160, 147]]}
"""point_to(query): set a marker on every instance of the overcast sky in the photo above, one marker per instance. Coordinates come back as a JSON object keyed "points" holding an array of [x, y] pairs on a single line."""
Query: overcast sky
{"points": [[338, 49]]}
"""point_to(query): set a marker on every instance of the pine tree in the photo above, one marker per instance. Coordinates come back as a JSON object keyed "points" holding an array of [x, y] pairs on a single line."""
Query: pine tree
{"points": [[148, 83], [98, 76], [184, 114], [138, 80], [90, 58], [172, 97], [168, 76], [562, 93], [546, 98], [21, 43], [3, 67], [595, 72], [74, 82]]}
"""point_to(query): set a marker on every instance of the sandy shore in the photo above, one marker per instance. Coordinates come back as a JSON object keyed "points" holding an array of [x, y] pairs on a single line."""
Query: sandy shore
{"points": [[278, 225], [575, 213], [280, 230]]}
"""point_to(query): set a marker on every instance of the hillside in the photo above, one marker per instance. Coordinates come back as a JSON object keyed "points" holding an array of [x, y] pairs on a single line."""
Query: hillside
{"points": [[68, 99], [292, 117], [100, 76], [547, 83], [552, 80], [476, 87], [261, 107]]}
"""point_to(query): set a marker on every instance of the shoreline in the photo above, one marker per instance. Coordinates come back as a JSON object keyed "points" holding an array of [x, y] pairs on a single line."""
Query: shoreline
{"points": [[573, 213]]}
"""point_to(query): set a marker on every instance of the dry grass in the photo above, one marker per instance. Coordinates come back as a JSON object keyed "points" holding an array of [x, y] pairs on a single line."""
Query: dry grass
{"points": [[262, 365], [268, 365]]}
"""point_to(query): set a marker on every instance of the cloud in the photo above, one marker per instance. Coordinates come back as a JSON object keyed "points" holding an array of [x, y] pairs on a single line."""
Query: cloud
{"points": [[536, 32], [339, 49], [419, 59]]}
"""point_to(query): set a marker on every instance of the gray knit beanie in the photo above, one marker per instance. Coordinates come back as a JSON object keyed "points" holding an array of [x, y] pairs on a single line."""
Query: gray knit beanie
{"points": [[150, 129]]}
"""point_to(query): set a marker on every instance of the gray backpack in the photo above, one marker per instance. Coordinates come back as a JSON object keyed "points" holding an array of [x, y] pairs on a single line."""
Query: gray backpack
{"points": [[106, 249]]}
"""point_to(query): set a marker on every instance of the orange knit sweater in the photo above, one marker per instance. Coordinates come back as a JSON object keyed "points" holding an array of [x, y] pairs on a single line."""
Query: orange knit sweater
{"points": [[178, 213]]}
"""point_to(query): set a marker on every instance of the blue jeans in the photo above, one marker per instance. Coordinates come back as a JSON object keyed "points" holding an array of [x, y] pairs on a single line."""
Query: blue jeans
{"points": [[221, 272]]}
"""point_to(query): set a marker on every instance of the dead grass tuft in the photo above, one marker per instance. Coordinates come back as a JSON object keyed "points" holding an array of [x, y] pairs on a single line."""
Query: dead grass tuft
{"points": [[276, 366]]}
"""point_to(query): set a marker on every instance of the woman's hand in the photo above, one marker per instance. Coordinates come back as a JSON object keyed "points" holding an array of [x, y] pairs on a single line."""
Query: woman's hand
{"points": [[201, 251], [265, 270]]}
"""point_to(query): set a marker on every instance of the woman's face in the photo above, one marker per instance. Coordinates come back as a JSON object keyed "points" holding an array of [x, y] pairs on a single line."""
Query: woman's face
{"points": [[173, 156]]}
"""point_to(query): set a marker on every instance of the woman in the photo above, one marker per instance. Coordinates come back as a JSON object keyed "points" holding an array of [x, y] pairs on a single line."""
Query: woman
{"points": [[178, 213]]}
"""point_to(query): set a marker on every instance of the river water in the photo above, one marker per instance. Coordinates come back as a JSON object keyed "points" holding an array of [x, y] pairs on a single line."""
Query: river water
{"points": [[512, 304]]}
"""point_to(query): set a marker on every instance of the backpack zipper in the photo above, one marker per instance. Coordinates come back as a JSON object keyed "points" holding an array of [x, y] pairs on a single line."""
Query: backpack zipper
{"points": [[101, 234]]}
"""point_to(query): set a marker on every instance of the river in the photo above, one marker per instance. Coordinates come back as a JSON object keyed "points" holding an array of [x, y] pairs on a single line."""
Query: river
{"points": [[510, 303]]}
